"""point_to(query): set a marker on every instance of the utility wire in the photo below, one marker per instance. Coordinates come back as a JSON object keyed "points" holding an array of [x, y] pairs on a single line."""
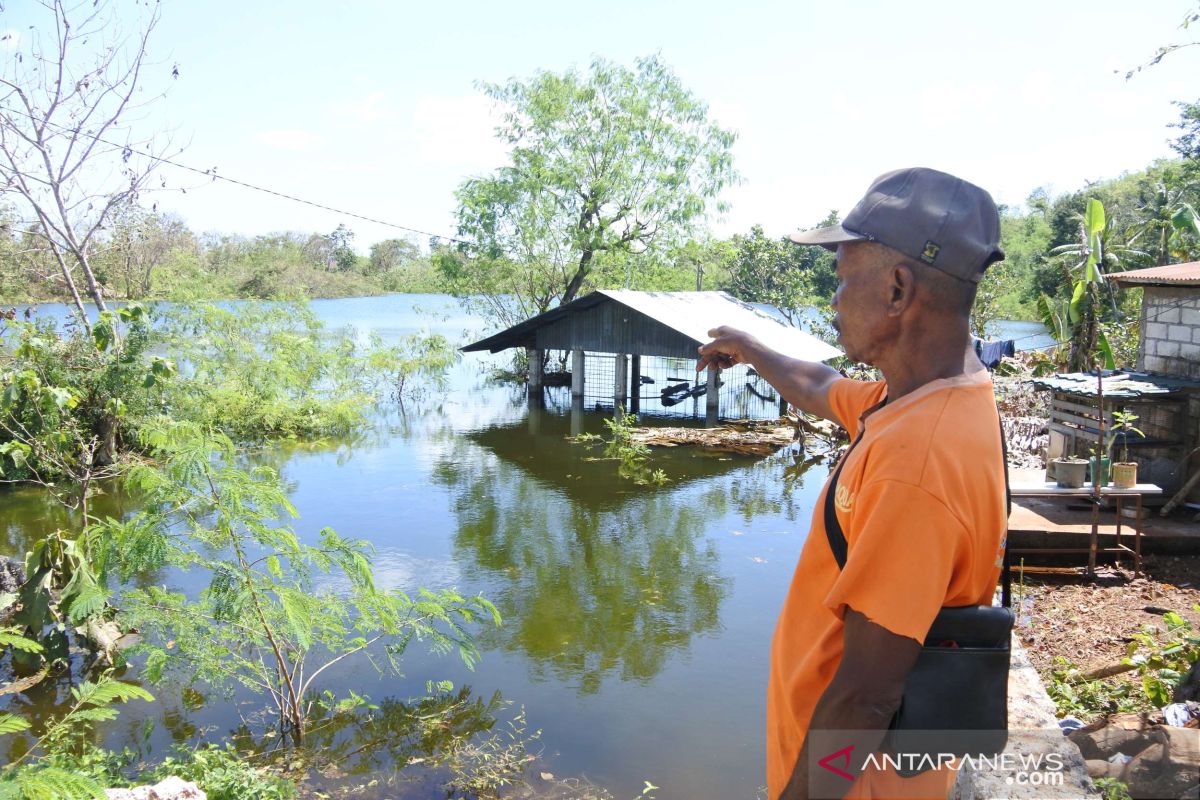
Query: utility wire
{"points": [[212, 173]]}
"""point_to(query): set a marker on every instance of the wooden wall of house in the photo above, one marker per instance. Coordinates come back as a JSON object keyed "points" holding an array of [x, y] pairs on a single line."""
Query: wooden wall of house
{"points": [[610, 327]]}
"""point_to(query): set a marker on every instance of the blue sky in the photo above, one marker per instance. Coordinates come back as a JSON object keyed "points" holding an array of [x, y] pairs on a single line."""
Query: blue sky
{"points": [[371, 106]]}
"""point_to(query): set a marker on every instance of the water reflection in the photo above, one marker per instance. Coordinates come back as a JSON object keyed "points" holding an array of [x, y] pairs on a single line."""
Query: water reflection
{"points": [[594, 575]]}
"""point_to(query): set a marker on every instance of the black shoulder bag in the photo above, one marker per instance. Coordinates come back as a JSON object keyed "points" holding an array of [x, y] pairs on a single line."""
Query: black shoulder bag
{"points": [[956, 697]]}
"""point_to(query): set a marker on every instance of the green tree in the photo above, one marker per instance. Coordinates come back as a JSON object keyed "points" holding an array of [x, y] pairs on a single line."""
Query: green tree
{"points": [[1168, 224], [392, 254], [1188, 143], [342, 250], [611, 161], [140, 243], [67, 154], [277, 611], [776, 271]]}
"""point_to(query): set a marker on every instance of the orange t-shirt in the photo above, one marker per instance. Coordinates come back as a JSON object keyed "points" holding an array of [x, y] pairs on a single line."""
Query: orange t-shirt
{"points": [[921, 503]]}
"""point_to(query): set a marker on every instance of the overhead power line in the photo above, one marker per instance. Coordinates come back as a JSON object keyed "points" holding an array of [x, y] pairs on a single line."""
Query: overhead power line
{"points": [[212, 173]]}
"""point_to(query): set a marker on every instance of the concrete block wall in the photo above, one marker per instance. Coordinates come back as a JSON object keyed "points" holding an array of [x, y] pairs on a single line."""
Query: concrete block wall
{"points": [[1170, 344], [1170, 338]]}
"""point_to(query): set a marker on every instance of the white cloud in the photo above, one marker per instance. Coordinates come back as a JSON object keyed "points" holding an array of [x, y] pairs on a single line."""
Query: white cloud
{"points": [[294, 141], [458, 131], [373, 107]]}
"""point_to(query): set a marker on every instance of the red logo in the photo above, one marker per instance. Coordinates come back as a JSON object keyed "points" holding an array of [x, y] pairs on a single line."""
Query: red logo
{"points": [[843, 754]]}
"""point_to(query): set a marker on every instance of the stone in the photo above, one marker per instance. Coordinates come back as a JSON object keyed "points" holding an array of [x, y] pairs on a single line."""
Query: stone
{"points": [[1099, 768], [167, 789], [1104, 743], [1033, 733], [1189, 687], [1170, 768], [12, 574]]}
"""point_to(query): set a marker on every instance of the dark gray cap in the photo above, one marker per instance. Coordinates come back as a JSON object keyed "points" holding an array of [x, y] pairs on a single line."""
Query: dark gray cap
{"points": [[929, 216]]}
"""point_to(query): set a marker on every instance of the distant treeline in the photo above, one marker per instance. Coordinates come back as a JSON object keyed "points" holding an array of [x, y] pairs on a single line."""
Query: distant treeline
{"points": [[149, 255]]}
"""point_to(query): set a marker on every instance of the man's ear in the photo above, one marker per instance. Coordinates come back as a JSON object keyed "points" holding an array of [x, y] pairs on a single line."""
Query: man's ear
{"points": [[902, 290]]}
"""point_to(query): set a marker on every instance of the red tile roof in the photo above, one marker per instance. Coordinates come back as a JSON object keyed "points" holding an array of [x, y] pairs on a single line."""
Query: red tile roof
{"points": [[1171, 275]]}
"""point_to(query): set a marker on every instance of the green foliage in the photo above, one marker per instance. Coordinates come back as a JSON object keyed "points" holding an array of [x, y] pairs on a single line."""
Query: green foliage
{"points": [[277, 611], [223, 773], [264, 371], [49, 783], [483, 768], [1123, 425], [613, 161], [46, 771], [69, 401], [1112, 789], [1079, 318], [1089, 699], [776, 271], [1188, 142], [60, 591], [420, 357], [1163, 659], [631, 455]]}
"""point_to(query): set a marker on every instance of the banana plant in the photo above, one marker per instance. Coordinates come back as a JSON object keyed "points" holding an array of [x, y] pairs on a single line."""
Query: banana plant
{"points": [[1076, 321]]}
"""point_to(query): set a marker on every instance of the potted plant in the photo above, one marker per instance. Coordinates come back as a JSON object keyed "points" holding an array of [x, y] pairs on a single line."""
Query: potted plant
{"points": [[1124, 472], [1070, 472]]}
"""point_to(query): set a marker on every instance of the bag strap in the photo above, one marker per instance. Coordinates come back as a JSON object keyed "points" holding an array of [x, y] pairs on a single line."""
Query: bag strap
{"points": [[837, 539]]}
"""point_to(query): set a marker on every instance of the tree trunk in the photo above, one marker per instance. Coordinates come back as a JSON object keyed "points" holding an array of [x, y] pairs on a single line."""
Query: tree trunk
{"points": [[577, 280], [90, 277]]}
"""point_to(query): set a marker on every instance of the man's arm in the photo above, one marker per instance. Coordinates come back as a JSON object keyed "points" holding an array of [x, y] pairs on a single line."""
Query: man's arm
{"points": [[804, 384], [857, 707]]}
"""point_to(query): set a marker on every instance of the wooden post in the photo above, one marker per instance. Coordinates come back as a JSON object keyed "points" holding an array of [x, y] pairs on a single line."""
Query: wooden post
{"points": [[620, 391], [577, 373], [712, 398], [635, 384], [783, 404]]}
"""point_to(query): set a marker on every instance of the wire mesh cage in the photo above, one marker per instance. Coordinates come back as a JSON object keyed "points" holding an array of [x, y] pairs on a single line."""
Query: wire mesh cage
{"points": [[667, 387]]}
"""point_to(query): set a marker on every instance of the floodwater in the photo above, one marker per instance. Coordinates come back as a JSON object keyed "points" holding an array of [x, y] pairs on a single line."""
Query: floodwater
{"points": [[637, 620]]}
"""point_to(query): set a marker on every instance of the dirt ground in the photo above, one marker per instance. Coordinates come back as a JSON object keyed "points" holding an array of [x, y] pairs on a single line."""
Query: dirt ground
{"points": [[1090, 621]]}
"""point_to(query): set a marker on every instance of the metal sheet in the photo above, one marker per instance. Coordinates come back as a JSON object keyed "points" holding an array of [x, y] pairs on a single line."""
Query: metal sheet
{"points": [[695, 313], [1171, 275], [662, 323], [1123, 385]]}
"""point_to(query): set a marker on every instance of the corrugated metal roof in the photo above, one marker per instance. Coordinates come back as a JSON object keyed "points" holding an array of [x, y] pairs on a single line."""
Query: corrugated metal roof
{"points": [[1171, 275], [692, 314], [1119, 385]]}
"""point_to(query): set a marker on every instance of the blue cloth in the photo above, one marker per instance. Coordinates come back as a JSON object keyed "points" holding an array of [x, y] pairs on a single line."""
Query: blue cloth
{"points": [[990, 353]]}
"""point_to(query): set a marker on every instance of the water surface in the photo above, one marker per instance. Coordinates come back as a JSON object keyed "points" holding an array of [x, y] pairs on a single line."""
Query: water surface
{"points": [[636, 620]]}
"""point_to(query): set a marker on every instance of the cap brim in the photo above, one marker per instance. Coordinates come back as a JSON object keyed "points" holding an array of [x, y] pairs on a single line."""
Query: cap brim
{"points": [[829, 237]]}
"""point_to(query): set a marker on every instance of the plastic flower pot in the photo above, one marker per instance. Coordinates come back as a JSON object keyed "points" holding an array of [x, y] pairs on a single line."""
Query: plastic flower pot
{"points": [[1124, 474], [1070, 472], [1104, 466]]}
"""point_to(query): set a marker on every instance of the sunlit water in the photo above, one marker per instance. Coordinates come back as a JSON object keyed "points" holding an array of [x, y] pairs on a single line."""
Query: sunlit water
{"points": [[636, 620]]}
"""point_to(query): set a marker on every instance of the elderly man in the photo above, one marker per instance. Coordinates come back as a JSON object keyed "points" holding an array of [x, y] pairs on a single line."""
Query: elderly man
{"points": [[920, 497]]}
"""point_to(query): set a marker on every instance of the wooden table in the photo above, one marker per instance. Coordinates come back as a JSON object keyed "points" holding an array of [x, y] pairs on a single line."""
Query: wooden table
{"points": [[1051, 489]]}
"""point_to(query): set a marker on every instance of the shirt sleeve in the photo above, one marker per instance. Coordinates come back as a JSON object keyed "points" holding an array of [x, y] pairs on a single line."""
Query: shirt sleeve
{"points": [[850, 398], [902, 545]]}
